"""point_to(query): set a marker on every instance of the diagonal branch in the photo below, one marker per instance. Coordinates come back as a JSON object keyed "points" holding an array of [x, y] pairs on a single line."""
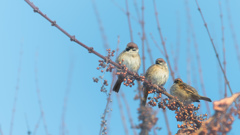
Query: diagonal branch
{"points": [[156, 44], [104, 37], [197, 56], [163, 42], [143, 37], [91, 50], [215, 50], [129, 21], [129, 113], [16, 92], [122, 115], [232, 29], [223, 45], [39, 97]]}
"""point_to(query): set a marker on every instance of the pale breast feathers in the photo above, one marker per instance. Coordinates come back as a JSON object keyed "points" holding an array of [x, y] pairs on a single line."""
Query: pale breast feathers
{"points": [[157, 75], [132, 61]]}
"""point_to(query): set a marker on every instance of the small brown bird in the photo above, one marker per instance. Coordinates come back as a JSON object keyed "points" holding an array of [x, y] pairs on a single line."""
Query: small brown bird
{"points": [[157, 74], [186, 93], [132, 61]]}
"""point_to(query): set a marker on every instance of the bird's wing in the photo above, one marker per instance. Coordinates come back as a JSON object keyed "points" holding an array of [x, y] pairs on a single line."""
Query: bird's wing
{"points": [[148, 71], [187, 88]]}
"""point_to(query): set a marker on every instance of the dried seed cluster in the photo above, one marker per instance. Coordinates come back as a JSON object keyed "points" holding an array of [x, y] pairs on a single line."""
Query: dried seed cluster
{"points": [[222, 121], [104, 66], [186, 114], [153, 101], [148, 118], [128, 79], [104, 125]]}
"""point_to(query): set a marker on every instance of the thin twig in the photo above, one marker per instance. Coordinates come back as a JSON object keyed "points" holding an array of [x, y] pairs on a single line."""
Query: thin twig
{"points": [[106, 46], [188, 48], [67, 92], [109, 99], [129, 21], [1, 132], [143, 37], [166, 56], [113, 80], [28, 129], [149, 51], [122, 114], [233, 31], [37, 125], [188, 57], [198, 57], [39, 97], [104, 37], [167, 123], [128, 112], [223, 45], [136, 8], [123, 10], [178, 43], [145, 130], [156, 44], [163, 42], [215, 50], [16, 91]]}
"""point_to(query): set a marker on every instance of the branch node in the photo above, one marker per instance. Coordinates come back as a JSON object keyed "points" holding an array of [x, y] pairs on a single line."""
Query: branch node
{"points": [[205, 24], [90, 50], [54, 23], [73, 38], [36, 9]]}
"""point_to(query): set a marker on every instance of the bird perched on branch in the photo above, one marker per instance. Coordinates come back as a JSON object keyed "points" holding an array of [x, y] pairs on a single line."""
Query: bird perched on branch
{"points": [[157, 74], [129, 57], [186, 93]]}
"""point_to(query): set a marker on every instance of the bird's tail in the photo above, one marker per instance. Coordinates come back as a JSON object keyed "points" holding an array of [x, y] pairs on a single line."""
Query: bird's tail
{"points": [[205, 98], [117, 85], [144, 100]]}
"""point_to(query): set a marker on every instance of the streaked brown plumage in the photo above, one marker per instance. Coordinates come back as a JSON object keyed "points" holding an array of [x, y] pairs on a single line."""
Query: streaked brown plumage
{"points": [[186, 93], [132, 61], [157, 74]]}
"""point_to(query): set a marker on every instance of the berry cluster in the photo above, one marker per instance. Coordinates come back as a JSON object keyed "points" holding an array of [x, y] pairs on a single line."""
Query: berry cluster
{"points": [[153, 101], [128, 79]]}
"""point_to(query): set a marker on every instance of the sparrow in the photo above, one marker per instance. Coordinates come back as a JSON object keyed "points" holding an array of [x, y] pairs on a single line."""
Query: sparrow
{"points": [[157, 74], [129, 57], [186, 93]]}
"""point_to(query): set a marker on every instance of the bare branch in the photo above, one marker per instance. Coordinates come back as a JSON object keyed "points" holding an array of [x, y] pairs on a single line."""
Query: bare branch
{"points": [[173, 105], [215, 50], [163, 42], [16, 91], [198, 57], [129, 21]]}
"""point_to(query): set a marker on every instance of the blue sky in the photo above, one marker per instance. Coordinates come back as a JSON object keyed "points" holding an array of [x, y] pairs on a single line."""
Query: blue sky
{"points": [[56, 58]]}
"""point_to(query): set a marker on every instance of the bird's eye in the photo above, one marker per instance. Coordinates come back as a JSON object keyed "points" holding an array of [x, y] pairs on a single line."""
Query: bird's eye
{"points": [[127, 49]]}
